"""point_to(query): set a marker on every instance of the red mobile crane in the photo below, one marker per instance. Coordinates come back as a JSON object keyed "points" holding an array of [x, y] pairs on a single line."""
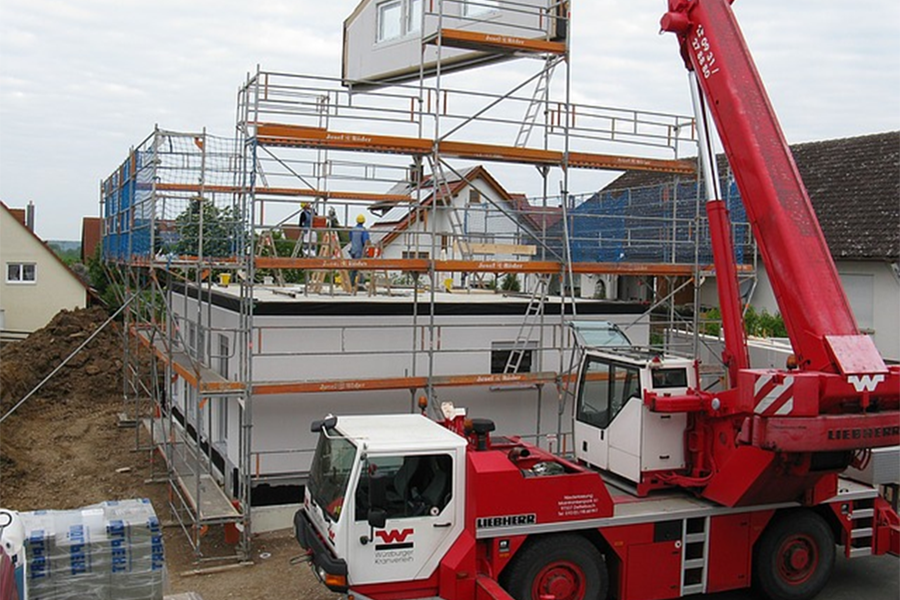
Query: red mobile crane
{"points": [[701, 492]]}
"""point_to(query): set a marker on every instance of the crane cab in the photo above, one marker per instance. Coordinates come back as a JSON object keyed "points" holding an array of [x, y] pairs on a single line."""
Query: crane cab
{"points": [[614, 430]]}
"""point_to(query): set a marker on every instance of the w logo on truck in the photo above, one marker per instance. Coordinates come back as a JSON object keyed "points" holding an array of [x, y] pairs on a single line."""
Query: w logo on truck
{"points": [[394, 539], [865, 383]]}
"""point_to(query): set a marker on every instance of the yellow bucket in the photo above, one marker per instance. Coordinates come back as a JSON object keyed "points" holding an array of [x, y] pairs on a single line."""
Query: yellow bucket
{"points": [[224, 279]]}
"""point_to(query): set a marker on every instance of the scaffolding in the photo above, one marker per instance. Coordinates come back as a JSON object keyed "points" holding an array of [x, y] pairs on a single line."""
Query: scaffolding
{"points": [[198, 226]]}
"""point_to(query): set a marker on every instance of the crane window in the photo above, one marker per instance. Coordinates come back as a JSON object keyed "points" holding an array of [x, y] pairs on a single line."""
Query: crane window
{"points": [[669, 378], [605, 389]]}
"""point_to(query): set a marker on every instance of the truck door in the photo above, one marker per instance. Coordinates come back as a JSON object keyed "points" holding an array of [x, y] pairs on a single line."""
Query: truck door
{"points": [[423, 517], [603, 389]]}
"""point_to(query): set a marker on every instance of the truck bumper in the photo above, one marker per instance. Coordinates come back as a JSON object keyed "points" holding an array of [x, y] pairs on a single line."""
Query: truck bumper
{"points": [[331, 571]]}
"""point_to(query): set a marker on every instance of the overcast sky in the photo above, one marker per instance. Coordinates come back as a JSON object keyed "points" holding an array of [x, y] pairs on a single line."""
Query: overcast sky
{"points": [[81, 82]]}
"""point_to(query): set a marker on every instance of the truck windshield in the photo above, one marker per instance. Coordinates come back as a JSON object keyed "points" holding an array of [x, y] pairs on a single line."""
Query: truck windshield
{"points": [[330, 473]]}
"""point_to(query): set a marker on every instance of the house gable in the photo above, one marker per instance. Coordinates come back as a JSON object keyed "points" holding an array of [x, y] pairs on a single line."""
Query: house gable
{"points": [[32, 295]]}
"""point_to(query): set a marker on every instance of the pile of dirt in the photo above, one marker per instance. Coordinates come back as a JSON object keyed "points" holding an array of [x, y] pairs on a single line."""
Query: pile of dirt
{"points": [[95, 371], [47, 436]]}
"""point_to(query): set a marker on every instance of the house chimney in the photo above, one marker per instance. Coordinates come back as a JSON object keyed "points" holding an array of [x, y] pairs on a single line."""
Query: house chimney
{"points": [[29, 216]]}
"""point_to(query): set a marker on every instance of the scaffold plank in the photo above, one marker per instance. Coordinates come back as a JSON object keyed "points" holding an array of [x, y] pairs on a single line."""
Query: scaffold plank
{"points": [[402, 383], [204, 379], [280, 191], [497, 266], [274, 134], [493, 42]]}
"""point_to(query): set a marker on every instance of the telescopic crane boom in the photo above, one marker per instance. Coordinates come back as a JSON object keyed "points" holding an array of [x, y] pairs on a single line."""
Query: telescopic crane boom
{"points": [[794, 427]]}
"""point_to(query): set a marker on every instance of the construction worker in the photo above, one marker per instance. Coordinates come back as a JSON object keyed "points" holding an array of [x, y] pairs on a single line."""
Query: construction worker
{"points": [[308, 236], [359, 241]]}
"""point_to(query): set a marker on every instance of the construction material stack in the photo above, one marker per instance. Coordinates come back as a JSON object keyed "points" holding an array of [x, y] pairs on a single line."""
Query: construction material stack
{"points": [[107, 551]]}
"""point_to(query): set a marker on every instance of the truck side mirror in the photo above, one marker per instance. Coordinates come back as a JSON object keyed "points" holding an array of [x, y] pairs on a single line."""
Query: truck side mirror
{"points": [[377, 518]]}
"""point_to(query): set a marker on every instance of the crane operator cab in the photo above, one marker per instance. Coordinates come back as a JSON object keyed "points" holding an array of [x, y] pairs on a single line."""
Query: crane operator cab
{"points": [[614, 430]]}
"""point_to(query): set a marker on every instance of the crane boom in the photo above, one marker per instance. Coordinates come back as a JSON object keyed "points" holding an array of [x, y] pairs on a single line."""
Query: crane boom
{"points": [[799, 265]]}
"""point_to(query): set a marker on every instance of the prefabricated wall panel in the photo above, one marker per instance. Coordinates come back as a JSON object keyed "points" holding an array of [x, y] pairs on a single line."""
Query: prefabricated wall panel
{"points": [[341, 340], [399, 58]]}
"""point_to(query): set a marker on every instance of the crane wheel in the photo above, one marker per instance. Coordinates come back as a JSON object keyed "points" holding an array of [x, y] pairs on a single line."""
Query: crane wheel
{"points": [[562, 567], [794, 558]]}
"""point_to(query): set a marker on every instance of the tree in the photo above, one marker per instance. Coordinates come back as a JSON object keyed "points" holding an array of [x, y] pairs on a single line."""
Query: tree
{"points": [[220, 233]]}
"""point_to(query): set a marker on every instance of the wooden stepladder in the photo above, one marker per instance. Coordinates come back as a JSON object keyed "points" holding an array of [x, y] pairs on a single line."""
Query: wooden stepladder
{"points": [[265, 246], [329, 247]]}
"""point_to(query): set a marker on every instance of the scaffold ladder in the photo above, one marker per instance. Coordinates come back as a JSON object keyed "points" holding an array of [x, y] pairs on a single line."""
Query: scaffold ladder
{"points": [[443, 196], [532, 319], [538, 99]]}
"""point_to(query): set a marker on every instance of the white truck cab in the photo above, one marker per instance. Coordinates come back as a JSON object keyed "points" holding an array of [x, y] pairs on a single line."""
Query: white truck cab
{"points": [[385, 495]]}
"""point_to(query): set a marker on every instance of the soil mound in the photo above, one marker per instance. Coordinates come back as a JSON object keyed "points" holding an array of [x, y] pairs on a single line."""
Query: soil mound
{"points": [[95, 371]]}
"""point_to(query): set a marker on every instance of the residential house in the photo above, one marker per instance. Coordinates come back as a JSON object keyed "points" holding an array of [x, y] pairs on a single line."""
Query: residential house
{"points": [[854, 186], [36, 284], [481, 221]]}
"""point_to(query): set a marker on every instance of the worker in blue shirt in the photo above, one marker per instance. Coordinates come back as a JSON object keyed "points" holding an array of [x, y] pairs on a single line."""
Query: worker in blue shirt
{"points": [[359, 241]]}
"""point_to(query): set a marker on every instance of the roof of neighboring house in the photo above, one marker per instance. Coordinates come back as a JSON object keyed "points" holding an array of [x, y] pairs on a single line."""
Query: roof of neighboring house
{"points": [[400, 218], [15, 213], [854, 186], [90, 236]]}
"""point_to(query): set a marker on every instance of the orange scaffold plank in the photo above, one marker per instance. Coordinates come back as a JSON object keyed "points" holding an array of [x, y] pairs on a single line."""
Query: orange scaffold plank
{"points": [[273, 134], [401, 383], [487, 266], [208, 381], [492, 42], [273, 191]]}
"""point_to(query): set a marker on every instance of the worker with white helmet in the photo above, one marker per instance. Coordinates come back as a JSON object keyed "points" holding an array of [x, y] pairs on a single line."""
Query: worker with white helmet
{"points": [[359, 241]]}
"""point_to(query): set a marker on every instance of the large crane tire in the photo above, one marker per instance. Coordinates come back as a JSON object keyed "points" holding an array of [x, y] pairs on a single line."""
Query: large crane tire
{"points": [[794, 558], [562, 567]]}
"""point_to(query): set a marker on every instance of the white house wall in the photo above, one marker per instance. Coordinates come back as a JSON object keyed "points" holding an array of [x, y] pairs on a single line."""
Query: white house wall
{"points": [[872, 288], [28, 306], [302, 347]]}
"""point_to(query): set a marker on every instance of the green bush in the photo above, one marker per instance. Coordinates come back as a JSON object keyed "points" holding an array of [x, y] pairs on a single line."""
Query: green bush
{"points": [[759, 324]]}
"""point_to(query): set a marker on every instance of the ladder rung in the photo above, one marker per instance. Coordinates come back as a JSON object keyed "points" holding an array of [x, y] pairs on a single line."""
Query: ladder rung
{"points": [[693, 538], [694, 563], [861, 533], [862, 513], [857, 552], [696, 588]]}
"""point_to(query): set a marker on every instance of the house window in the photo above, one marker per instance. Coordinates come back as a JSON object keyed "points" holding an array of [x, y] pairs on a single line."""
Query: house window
{"points": [[21, 273], [860, 290], [501, 356], [222, 421], [474, 196], [478, 7], [413, 16], [223, 356], [390, 20], [409, 255], [397, 18]]}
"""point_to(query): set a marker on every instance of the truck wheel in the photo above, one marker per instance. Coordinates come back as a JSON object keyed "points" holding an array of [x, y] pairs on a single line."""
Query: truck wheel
{"points": [[562, 567], [795, 557]]}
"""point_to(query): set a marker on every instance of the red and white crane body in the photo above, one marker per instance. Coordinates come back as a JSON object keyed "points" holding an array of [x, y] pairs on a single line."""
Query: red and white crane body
{"points": [[700, 492]]}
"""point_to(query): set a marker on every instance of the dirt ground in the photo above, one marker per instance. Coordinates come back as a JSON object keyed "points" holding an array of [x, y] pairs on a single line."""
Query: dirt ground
{"points": [[63, 449]]}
